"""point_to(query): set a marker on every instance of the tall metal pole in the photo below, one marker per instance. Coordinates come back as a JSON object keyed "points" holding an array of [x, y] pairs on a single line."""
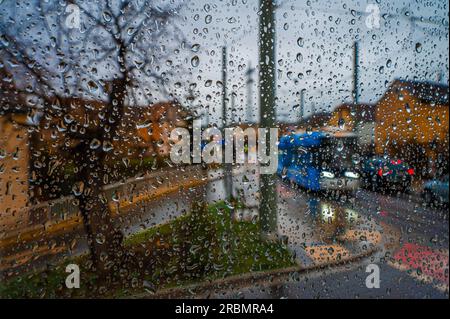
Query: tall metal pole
{"points": [[207, 116], [227, 168], [302, 105], [224, 86], [267, 76], [249, 115], [233, 108], [355, 83], [355, 72]]}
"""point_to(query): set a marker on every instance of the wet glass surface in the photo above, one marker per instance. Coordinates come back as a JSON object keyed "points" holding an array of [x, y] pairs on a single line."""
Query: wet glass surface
{"points": [[260, 149]]}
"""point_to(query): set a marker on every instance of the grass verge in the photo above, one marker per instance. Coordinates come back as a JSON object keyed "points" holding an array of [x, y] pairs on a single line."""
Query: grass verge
{"points": [[203, 245]]}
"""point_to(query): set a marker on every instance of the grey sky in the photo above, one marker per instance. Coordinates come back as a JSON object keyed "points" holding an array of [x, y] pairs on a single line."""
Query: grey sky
{"points": [[328, 29]]}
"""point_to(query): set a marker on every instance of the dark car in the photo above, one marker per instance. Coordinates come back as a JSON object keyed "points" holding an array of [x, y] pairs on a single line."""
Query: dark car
{"points": [[386, 174], [436, 191]]}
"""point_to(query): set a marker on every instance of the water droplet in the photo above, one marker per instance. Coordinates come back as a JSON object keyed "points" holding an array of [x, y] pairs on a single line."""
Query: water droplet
{"points": [[418, 47], [100, 238], [144, 124], [407, 108], [95, 143], [107, 146], [195, 61], [107, 16], [92, 86], [78, 188]]}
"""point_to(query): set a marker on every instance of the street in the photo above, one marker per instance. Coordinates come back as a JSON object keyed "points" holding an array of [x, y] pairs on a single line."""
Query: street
{"points": [[408, 230], [412, 241]]}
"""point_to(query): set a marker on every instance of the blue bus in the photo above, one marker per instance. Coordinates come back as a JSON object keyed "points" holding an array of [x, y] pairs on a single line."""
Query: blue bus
{"points": [[320, 161]]}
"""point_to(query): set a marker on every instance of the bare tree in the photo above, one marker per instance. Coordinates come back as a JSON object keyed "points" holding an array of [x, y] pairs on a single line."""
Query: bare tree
{"points": [[110, 51]]}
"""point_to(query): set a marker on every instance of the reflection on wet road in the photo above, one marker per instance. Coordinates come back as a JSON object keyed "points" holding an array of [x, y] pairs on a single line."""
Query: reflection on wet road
{"points": [[321, 230]]}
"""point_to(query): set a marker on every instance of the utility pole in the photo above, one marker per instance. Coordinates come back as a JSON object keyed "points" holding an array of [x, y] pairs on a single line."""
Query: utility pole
{"points": [[267, 76], [227, 167], [224, 87], [302, 105], [250, 82], [355, 82], [233, 108], [355, 72], [207, 116]]}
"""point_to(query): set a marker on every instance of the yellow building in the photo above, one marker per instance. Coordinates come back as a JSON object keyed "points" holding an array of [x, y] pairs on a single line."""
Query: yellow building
{"points": [[357, 118], [350, 117], [14, 171], [412, 122]]}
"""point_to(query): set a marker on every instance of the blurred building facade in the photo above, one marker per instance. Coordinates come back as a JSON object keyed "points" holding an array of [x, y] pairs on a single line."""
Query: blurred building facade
{"points": [[36, 149], [14, 169], [14, 153], [357, 118], [412, 123]]}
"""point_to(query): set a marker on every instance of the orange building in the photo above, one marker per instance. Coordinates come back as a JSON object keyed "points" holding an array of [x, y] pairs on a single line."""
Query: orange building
{"points": [[14, 170], [412, 122], [14, 155], [156, 123], [350, 116], [357, 118], [34, 149], [143, 130]]}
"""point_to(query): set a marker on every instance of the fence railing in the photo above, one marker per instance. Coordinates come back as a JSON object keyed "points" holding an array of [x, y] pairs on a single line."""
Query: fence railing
{"points": [[64, 208]]}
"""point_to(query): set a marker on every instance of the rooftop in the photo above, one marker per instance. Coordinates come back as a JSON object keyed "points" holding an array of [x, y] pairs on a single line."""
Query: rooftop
{"points": [[430, 92]]}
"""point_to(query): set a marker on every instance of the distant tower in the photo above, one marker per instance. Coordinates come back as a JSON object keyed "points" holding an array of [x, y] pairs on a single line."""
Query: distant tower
{"points": [[224, 86], [302, 105], [233, 108], [355, 73], [249, 73]]}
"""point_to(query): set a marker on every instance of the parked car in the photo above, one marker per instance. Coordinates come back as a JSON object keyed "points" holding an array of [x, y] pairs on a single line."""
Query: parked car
{"points": [[386, 174], [436, 191]]}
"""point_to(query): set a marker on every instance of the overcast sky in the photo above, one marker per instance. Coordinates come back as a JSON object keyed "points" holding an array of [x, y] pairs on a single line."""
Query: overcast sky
{"points": [[323, 68]]}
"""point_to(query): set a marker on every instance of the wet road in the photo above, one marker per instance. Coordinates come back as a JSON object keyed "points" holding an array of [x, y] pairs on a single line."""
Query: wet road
{"points": [[338, 283], [412, 240], [413, 258]]}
